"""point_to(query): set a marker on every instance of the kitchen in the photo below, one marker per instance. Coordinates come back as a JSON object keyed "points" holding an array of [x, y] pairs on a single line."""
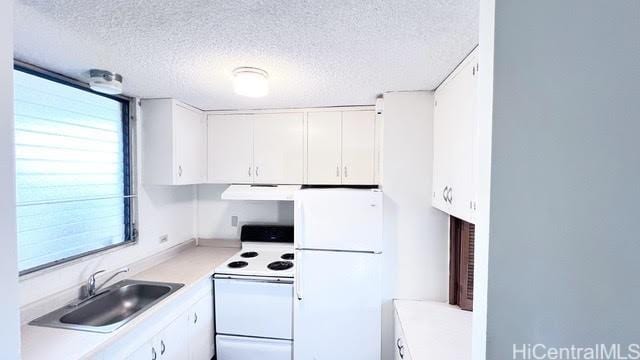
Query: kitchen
{"points": [[311, 180]]}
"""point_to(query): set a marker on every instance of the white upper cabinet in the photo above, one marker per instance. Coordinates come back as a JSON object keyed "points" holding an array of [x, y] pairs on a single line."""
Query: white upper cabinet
{"points": [[341, 147], [455, 126], [278, 148], [358, 147], [174, 143], [230, 149], [256, 148], [324, 147]]}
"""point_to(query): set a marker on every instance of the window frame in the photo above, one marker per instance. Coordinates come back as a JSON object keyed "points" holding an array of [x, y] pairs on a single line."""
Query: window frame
{"points": [[129, 165]]}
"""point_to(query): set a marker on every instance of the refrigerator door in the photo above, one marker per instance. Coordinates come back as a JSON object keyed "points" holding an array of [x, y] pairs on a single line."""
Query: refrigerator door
{"points": [[338, 219], [337, 306], [249, 348]]}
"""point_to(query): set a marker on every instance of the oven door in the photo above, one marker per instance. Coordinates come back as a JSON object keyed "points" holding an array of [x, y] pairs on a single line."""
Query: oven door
{"points": [[247, 348], [254, 306]]}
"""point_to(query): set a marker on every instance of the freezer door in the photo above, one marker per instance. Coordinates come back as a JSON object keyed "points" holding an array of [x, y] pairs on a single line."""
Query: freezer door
{"points": [[248, 348], [338, 219], [337, 306]]}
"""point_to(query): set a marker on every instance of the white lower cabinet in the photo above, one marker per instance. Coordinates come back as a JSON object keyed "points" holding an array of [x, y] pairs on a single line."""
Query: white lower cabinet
{"points": [[251, 348], [200, 322], [169, 344], [184, 331], [401, 350]]}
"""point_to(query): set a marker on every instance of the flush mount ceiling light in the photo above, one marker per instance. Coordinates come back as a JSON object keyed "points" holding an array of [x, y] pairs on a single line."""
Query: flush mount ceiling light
{"points": [[251, 82], [105, 82]]}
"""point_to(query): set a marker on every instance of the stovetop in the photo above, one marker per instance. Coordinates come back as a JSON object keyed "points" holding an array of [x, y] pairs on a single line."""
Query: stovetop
{"points": [[272, 260]]}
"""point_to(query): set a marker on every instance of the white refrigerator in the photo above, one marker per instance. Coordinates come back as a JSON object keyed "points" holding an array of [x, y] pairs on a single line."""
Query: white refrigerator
{"points": [[337, 304]]}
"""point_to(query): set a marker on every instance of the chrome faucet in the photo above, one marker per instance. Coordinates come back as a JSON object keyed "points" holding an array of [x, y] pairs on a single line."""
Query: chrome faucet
{"points": [[91, 283]]}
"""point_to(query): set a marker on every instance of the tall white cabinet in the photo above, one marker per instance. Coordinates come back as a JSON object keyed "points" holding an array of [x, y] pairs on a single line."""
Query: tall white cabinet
{"points": [[454, 151], [174, 143], [341, 147], [256, 148]]}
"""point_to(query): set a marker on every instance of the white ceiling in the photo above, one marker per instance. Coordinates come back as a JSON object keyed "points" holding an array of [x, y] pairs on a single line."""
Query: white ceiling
{"points": [[317, 52]]}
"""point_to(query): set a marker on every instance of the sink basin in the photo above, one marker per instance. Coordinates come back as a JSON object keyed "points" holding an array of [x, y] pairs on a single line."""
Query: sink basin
{"points": [[111, 308]]}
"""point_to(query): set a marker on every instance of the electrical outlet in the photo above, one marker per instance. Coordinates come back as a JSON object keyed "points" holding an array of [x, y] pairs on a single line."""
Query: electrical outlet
{"points": [[234, 221], [164, 238]]}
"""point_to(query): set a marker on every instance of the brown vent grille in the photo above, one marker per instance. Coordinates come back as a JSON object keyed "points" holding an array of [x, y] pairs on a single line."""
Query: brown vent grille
{"points": [[461, 266]]}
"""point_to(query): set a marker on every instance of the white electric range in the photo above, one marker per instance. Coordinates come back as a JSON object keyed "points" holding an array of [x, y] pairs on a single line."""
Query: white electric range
{"points": [[254, 296]]}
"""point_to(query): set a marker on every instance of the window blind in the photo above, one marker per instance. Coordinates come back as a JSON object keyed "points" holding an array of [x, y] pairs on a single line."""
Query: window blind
{"points": [[71, 172]]}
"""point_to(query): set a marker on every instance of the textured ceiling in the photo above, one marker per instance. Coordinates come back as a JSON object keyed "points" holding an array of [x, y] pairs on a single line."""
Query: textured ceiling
{"points": [[318, 53]]}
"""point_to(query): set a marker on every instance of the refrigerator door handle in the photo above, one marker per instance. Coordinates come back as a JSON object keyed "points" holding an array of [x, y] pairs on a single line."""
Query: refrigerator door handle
{"points": [[298, 278]]}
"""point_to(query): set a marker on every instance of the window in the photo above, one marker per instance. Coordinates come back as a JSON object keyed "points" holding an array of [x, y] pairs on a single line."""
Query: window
{"points": [[73, 170], [461, 263]]}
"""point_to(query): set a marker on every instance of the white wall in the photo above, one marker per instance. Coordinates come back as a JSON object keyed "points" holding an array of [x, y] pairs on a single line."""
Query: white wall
{"points": [[162, 210], [9, 331], [565, 175], [214, 214], [416, 240]]}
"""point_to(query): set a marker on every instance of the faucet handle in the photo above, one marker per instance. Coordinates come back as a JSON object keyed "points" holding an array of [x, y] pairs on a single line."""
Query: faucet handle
{"points": [[92, 277]]}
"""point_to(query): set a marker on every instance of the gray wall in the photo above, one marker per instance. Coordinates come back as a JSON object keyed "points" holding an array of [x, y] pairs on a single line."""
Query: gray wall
{"points": [[9, 331], [564, 256]]}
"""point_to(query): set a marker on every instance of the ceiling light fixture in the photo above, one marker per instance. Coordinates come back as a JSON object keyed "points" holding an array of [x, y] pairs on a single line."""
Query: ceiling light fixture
{"points": [[251, 82], [105, 82]]}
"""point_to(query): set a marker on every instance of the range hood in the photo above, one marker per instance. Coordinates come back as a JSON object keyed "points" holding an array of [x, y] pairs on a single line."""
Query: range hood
{"points": [[260, 192]]}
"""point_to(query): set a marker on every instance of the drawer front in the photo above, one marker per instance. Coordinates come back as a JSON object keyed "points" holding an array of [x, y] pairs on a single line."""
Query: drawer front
{"points": [[246, 348], [254, 308]]}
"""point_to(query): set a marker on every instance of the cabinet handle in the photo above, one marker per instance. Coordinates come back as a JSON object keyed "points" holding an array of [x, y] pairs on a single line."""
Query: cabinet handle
{"points": [[346, 174], [450, 195], [337, 170], [154, 356], [195, 318], [180, 170], [400, 349], [257, 171], [249, 171], [162, 347], [444, 193]]}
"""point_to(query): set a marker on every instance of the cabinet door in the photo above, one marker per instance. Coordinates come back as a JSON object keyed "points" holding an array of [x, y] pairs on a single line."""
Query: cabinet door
{"points": [[201, 336], [230, 149], [358, 147], [401, 349], [324, 147], [173, 343], [190, 145], [278, 148], [145, 352], [462, 191], [442, 138]]}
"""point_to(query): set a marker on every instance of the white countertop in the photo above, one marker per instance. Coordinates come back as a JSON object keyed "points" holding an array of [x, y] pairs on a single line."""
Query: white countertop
{"points": [[187, 267], [435, 330]]}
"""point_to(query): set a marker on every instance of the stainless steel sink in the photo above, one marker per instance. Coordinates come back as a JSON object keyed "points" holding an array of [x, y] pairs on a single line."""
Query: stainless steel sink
{"points": [[111, 308]]}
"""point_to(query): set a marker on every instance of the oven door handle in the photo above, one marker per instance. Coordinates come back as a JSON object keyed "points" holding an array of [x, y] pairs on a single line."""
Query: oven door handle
{"points": [[252, 279]]}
